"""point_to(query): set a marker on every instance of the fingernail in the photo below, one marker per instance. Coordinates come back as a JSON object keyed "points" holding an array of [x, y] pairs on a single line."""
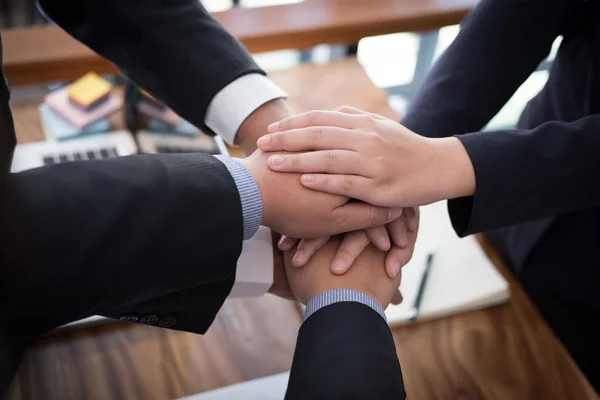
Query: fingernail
{"points": [[384, 243], [403, 241], [264, 141], [414, 224], [397, 270], [273, 127], [339, 265], [297, 260], [308, 179], [276, 161], [394, 213]]}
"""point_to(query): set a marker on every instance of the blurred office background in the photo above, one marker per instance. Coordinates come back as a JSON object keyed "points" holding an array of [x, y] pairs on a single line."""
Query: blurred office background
{"points": [[396, 63]]}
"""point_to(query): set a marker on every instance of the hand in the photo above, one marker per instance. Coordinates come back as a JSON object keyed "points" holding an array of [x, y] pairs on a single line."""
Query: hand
{"points": [[371, 158], [255, 125], [403, 231], [280, 286], [366, 275], [295, 211]]}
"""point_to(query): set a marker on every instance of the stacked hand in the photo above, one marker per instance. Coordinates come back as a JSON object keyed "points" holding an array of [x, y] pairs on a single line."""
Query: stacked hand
{"points": [[366, 276], [336, 166], [291, 209], [370, 158]]}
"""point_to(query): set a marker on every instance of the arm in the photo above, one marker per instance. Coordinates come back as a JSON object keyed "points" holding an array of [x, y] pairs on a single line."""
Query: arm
{"points": [[174, 49], [345, 349], [525, 175], [499, 45], [91, 237]]}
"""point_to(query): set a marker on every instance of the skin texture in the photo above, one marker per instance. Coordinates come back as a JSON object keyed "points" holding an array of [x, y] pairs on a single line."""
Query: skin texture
{"points": [[370, 158]]}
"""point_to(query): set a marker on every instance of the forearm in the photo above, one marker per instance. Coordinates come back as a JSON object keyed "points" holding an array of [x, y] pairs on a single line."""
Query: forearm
{"points": [[255, 125], [526, 175], [499, 45], [173, 49], [345, 349], [123, 230]]}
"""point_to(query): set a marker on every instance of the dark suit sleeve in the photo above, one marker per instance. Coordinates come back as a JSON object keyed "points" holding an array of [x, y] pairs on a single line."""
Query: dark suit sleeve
{"points": [[499, 45], [174, 49], [524, 175], [345, 351], [520, 175], [122, 236]]}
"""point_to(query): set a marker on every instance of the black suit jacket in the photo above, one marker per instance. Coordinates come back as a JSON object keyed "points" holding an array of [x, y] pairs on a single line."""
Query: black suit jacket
{"points": [[549, 165], [153, 239], [345, 351]]}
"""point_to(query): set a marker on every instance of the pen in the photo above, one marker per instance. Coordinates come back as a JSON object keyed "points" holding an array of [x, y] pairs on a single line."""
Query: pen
{"points": [[417, 305]]}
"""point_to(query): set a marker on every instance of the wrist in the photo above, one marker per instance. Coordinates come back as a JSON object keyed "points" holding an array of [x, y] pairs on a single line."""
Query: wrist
{"points": [[256, 177], [455, 172], [255, 125]]}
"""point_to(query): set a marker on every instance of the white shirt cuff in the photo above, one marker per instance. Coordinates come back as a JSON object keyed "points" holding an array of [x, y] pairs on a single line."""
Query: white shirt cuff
{"points": [[254, 272], [236, 101]]}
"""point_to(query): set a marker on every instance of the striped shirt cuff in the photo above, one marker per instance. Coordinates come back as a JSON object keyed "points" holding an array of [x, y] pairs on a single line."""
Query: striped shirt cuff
{"points": [[249, 195], [338, 296]]}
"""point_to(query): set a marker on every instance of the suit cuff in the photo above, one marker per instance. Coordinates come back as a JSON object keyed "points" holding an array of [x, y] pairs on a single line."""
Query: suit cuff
{"points": [[236, 101], [339, 296], [249, 195], [254, 272]]}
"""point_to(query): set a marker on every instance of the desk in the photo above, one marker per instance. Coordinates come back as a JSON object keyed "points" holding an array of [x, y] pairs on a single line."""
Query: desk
{"points": [[504, 352], [42, 54]]}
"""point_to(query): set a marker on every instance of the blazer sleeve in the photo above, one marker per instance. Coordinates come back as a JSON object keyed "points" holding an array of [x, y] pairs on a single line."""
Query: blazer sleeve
{"points": [[174, 49], [345, 351], [500, 43], [115, 236], [524, 175]]}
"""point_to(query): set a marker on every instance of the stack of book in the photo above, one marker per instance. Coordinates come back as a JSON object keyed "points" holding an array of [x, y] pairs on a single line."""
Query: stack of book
{"points": [[161, 119], [81, 108]]}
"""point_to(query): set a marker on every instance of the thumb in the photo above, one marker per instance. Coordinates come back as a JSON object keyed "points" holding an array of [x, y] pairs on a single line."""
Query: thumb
{"points": [[353, 216]]}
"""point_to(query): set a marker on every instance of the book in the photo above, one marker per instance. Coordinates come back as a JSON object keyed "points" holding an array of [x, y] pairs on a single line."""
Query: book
{"points": [[59, 102], [461, 279], [89, 91], [57, 128]]}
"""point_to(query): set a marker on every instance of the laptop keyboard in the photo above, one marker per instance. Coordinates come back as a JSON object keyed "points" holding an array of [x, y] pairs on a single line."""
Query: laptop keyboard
{"points": [[100, 154], [180, 149]]}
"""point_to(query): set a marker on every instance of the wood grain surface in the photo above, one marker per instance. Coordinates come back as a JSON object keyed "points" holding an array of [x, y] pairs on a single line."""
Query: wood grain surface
{"points": [[504, 352], [43, 54]]}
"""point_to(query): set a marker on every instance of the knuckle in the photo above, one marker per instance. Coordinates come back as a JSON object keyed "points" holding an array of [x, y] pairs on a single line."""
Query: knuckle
{"points": [[345, 253], [375, 214], [367, 122], [316, 133], [347, 184], [330, 158], [279, 139], [344, 109], [295, 160]]}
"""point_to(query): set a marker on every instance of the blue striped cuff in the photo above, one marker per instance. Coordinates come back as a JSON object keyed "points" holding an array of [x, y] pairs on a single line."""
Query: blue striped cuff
{"points": [[338, 296], [249, 195]]}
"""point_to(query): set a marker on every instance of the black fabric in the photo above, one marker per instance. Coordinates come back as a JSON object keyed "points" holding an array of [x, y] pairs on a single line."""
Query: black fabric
{"points": [[537, 189], [174, 49], [151, 239], [544, 167], [124, 237], [345, 351], [561, 276]]}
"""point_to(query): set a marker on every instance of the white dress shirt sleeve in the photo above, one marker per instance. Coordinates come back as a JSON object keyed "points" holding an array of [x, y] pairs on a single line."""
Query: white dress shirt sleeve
{"points": [[254, 272], [236, 101]]}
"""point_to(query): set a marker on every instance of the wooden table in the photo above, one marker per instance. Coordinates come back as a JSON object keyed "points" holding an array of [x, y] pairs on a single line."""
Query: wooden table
{"points": [[42, 54], [504, 352]]}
